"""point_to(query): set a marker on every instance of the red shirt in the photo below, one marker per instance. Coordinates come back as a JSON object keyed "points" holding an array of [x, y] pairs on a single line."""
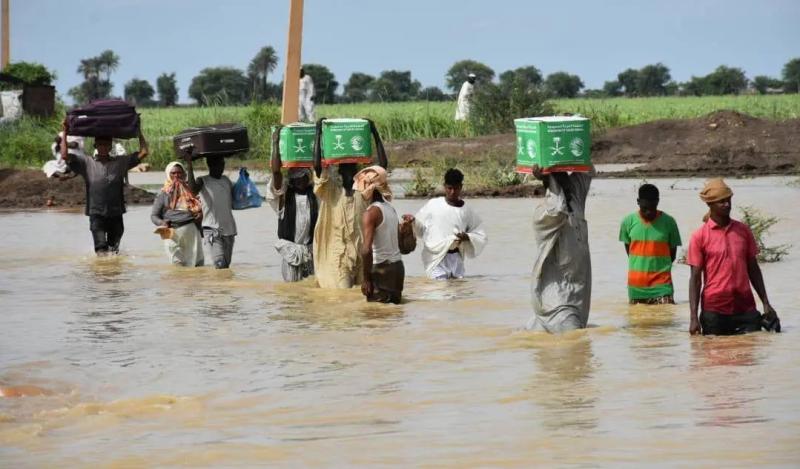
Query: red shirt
{"points": [[723, 253]]}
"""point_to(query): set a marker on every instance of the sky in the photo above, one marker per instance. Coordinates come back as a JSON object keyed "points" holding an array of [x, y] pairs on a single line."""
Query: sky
{"points": [[593, 39]]}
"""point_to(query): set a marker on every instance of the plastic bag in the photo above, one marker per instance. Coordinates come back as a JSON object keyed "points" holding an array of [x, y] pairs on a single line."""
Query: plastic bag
{"points": [[245, 192]]}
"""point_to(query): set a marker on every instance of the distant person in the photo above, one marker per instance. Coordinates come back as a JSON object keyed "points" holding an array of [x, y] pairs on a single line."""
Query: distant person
{"points": [[306, 109], [296, 205], [57, 167], [561, 287], [651, 241], [177, 212], [723, 257], [216, 195], [449, 229], [464, 97], [104, 177], [381, 260]]}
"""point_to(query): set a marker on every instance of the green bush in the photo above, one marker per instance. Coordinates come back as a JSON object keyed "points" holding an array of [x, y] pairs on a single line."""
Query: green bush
{"points": [[494, 108], [760, 225]]}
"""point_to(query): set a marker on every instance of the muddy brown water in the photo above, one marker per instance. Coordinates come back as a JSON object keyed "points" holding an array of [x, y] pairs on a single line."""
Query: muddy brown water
{"points": [[150, 365]]}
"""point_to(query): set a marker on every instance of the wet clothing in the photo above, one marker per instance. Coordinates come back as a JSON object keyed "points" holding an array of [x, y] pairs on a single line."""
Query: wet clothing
{"points": [[561, 288], [463, 104], [723, 253], [659, 300], [729, 324], [161, 213], [297, 215], [385, 246], [105, 182], [219, 226], [387, 282], [306, 95], [337, 235], [106, 233], [185, 248], [649, 254], [219, 247], [451, 266], [437, 224]]}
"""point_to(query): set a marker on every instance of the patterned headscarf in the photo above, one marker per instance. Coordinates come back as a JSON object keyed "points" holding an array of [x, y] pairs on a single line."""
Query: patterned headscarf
{"points": [[180, 196], [371, 179]]}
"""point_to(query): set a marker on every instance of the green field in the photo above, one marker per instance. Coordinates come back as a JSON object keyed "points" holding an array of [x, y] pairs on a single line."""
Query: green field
{"points": [[26, 143]]}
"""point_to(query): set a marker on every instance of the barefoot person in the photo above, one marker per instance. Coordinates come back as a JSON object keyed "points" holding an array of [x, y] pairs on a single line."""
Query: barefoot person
{"points": [[382, 264], [651, 241], [723, 256], [178, 213], [105, 183], [450, 231], [561, 288]]}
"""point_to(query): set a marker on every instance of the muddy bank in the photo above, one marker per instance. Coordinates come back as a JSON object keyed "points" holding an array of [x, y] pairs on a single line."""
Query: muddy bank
{"points": [[30, 189], [724, 143]]}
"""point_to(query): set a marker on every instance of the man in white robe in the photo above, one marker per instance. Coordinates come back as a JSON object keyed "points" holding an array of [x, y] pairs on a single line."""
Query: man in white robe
{"points": [[449, 229], [464, 97], [561, 287], [306, 105]]}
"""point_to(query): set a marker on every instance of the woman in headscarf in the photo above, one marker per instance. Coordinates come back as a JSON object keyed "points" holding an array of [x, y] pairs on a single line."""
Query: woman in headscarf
{"points": [[177, 213]]}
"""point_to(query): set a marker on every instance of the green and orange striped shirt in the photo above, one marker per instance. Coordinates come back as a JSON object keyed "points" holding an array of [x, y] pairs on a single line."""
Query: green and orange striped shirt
{"points": [[649, 260]]}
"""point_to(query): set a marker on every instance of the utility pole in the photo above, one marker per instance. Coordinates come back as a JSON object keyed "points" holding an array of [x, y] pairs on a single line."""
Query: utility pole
{"points": [[291, 76], [6, 52]]}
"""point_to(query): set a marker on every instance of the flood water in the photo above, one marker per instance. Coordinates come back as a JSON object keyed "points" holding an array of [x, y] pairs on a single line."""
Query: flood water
{"points": [[150, 365]]}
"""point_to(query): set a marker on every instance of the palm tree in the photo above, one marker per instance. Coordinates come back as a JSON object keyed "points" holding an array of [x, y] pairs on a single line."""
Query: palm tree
{"points": [[109, 62], [89, 68], [264, 62]]}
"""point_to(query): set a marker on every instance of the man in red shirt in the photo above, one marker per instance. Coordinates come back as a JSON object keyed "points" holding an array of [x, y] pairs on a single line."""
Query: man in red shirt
{"points": [[722, 254]]}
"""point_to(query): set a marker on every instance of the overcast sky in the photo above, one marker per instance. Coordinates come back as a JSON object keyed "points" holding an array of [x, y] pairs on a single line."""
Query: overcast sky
{"points": [[593, 39]]}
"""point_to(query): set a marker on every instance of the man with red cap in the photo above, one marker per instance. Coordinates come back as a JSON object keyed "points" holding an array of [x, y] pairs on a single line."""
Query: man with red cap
{"points": [[723, 257]]}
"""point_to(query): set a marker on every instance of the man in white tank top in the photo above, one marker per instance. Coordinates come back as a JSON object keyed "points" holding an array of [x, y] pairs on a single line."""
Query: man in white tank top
{"points": [[382, 264]]}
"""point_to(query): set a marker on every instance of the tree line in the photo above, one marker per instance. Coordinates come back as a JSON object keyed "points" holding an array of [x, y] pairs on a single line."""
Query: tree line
{"points": [[234, 86]]}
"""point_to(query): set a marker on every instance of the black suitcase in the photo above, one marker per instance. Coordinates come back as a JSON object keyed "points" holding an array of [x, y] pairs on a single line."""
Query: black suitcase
{"points": [[104, 118], [213, 140]]}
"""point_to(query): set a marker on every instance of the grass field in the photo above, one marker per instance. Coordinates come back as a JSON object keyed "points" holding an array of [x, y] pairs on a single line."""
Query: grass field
{"points": [[27, 142]]}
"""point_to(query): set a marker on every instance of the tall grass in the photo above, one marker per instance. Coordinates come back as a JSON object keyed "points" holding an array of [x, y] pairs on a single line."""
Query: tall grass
{"points": [[27, 142]]}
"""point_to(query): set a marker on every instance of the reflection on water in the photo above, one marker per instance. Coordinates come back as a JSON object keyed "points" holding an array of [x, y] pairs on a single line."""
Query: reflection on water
{"points": [[149, 365]]}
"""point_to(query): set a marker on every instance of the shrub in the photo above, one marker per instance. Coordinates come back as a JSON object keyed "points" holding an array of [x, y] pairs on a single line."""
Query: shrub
{"points": [[760, 225], [494, 108]]}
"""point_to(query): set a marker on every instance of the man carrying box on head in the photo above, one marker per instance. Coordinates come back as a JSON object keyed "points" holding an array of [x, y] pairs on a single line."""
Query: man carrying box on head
{"points": [[105, 184], [296, 206], [561, 287]]}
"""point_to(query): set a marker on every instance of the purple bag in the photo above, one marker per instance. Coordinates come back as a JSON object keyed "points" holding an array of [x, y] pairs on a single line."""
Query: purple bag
{"points": [[104, 118]]}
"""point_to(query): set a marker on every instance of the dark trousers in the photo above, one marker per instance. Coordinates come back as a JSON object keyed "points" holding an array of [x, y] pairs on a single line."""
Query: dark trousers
{"points": [[730, 324], [387, 282], [106, 232]]}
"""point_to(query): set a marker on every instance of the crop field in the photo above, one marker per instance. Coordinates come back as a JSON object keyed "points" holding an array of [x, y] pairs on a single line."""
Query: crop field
{"points": [[27, 142]]}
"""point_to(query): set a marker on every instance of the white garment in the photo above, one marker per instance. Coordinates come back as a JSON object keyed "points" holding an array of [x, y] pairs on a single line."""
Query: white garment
{"points": [[116, 150], [217, 199], [10, 105], [296, 260], [561, 287], [437, 224], [464, 96], [305, 111], [186, 246], [296, 257], [452, 266], [57, 166], [302, 217], [385, 247]]}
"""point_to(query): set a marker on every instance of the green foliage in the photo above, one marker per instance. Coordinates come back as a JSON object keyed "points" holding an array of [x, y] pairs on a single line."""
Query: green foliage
{"points": [[139, 92], [458, 72], [421, 185], [652, 80], [259, 119], [612, 88], [96, 73], [433, 93], [29, 73], [791, 76], [494, 108], [325, 83], [220, 86], [394, 85], [760, 225], [26, 141], [762, 83], [528, 76], [262, 64], [167, 87], [563, 85], [357, 88], [629, 82], [723, 80]]}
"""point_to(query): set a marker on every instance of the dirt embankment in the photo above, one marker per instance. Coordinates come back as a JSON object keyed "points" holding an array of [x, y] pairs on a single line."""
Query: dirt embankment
{"points": [[724, 143], [31, 189]]}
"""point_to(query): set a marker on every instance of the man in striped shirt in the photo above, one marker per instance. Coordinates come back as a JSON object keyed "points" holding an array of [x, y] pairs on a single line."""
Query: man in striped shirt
{"points": [[651, 240]]}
